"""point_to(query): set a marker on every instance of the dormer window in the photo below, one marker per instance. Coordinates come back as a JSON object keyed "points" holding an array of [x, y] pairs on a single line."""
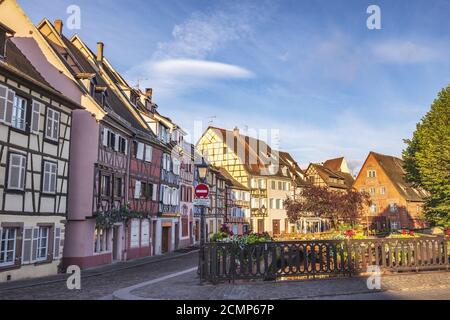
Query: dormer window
{"points": [[2, 43], [92, 85], [4, 32]]}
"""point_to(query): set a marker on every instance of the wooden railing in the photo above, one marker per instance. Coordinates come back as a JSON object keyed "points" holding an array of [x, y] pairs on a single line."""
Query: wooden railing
{"points": [[272, 260]]}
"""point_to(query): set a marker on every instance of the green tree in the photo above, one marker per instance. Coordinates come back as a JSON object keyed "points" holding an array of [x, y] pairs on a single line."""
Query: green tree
{"points": [[427, 159]]}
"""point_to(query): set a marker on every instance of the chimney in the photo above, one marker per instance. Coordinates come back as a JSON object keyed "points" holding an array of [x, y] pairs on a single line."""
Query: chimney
{"points": [[100, 47], [149, 93], [236, 132], [58, 26]]}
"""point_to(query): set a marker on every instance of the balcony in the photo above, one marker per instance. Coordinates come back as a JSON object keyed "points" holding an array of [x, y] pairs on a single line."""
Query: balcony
{"points": [[259, 193], [169, 177], [168, 209], [257, 213]]}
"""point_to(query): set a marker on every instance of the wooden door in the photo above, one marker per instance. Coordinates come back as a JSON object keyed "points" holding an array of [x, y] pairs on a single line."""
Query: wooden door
{"points": [[165, 239], [260, 225], [276, 227]]}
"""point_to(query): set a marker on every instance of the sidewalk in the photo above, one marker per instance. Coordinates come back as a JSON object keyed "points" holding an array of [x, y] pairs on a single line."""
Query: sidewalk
{"points": [[97, 271], [186, 286]]}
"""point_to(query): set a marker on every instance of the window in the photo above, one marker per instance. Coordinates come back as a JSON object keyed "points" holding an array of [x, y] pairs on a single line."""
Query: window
{"points": [[371, 173], [273, 185], [2, 43], [393, 207], [118, 187], [395, 225], [148, 153], [16, 174], [42, 248], [7, 246], [383, 190], [280, 185], [137, 189], [122, 145], [50, 177], [279, 204], [52, 127], [139, 151], [373, 208], [101, 241], [105, 185], [19, 113], [372, 191]]}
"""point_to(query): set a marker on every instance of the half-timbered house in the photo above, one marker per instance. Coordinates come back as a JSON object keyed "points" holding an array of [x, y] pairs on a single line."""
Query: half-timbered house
{"points": [[265, 171], [100, 220], [35, 129]]}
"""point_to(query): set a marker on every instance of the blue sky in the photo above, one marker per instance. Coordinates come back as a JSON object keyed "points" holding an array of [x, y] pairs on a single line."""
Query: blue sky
{"points": [[310, 69]]}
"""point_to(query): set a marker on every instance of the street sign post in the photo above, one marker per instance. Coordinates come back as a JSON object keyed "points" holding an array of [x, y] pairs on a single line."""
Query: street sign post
{"points": [[202, 191], [201, 196]]}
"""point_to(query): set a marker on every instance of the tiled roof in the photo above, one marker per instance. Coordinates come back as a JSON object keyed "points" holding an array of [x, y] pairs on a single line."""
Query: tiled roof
{"points": [[257, 150], [334, 164], [393, 167], [234, 183], [112, 99], [16, 59], [328, 174]]}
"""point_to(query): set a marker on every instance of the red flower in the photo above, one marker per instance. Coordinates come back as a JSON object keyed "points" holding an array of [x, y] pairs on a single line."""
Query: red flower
{"points": [[411, 233], [405, 232], [349, 233], [447, 232]]}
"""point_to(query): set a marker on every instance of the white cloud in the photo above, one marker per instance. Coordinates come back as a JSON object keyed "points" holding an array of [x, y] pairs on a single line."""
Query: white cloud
{"points": [[199, 69], [404, 52], [176, 76]]}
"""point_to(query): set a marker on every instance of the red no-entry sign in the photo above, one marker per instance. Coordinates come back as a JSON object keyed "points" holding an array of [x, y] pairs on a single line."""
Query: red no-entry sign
{"points": [[202, 191]]}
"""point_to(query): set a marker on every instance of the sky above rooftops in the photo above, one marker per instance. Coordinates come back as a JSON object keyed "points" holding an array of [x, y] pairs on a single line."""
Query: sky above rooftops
{"points": [[310, 69]]}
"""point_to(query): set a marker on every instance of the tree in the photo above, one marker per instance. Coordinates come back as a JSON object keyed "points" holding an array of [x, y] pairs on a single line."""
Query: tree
{"points": [[427, 159], [314, 201]]}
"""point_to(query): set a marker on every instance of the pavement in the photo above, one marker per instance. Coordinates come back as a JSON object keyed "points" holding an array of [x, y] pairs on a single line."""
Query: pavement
{"points": [[174, 276], [185, 286]]}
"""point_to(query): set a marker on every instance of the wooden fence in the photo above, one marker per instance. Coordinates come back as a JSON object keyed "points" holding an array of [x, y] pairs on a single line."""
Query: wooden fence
{"points": [[273, 260]]}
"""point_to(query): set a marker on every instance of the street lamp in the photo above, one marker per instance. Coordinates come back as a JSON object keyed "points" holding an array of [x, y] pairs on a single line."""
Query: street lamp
{"points": [[202, 173]]}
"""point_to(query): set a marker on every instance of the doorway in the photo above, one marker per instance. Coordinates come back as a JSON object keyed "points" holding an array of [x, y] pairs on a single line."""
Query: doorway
{"points": [[177, 235], [165, 243], [154, 224], [260, 225], [115, 241], [276, 227]]}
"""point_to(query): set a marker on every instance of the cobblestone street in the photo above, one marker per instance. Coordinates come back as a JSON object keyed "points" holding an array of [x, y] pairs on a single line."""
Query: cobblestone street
{"points": [[173, 276], [101, 283]]}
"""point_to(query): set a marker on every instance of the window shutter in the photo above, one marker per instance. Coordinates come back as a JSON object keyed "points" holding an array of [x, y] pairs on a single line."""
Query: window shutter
{"points": [[9, 106], [116, 142], [34, 244], [155, 187], [105, 136], [35, 116], [126, 146], [137, 189], [134, 241], [3, 97], [140, 151], [145, 232], [57, 243]]}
